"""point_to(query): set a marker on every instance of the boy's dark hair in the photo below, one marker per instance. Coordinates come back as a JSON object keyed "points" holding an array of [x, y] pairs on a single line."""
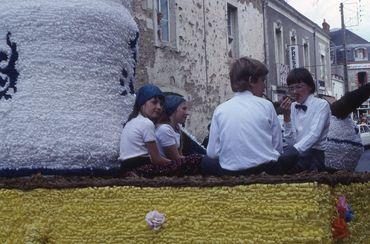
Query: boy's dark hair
{"points": [[245, 70], [298, 75]]}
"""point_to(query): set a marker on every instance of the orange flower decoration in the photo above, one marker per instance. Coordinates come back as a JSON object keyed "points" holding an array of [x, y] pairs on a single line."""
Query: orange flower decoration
{"points": [[339, 228]]}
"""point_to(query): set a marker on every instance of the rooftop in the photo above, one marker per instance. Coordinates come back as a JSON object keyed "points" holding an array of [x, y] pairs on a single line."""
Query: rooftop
{"points": [[336, 36]]}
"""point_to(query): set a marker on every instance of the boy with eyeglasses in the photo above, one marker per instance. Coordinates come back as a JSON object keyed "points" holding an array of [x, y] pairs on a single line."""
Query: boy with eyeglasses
{"points": [[306, 121]]}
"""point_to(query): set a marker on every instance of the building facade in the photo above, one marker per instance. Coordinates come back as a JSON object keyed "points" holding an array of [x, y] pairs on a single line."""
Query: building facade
{"points": [[358, 60], [338, 86], [186, 47], [293, 41]]}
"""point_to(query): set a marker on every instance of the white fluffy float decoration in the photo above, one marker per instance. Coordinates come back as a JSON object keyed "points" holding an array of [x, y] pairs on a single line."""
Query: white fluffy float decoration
{"points": [[67, 71]]}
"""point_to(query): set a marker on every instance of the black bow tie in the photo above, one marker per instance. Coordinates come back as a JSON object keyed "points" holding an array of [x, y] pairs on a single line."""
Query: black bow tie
{"points": [[300, 106]]}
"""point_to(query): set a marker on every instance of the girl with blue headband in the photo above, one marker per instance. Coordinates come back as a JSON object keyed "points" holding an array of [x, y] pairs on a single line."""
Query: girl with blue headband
{"points": [[138, 150], [138, 142], [168, 132]]}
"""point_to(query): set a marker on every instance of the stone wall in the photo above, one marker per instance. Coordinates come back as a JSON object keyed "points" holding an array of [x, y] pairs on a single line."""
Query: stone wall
{"points": [[196, 62]]}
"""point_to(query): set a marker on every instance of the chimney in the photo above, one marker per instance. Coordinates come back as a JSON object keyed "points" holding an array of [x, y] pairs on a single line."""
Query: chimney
{"points": [[326, 27]]}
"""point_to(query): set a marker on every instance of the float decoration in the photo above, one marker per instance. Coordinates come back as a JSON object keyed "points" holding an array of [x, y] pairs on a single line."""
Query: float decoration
{"points": [[345, 215]]}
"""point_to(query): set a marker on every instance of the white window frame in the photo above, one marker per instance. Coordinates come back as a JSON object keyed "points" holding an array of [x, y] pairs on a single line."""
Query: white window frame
{"points": [[306, 58], [323, 66], [364, 53], [232, 29], [279, 51], [157, 9]]}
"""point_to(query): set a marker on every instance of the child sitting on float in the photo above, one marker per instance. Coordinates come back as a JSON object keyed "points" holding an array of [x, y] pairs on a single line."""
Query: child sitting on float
{"points": [[168, 132], [245, 136], [306, 121], [138, 142], [139, 150]]}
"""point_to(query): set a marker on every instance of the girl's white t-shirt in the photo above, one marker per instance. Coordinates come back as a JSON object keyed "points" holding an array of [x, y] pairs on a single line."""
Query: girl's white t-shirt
{"points": [[134, 135], [166, 136]]}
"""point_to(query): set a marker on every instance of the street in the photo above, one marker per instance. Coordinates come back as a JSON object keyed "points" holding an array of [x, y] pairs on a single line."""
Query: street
{"points": [[364, 163]]}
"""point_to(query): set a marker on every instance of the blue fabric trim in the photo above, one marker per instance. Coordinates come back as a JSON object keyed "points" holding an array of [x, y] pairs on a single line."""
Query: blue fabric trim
{"points": [[346, 142]]}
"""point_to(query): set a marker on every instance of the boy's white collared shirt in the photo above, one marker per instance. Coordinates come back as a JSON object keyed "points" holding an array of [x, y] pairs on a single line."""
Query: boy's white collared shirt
{"points": [[308, 129], [245, 132]]}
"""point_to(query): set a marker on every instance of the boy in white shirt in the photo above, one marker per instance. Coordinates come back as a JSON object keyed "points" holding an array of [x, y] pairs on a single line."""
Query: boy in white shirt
{"points": [[245, 135], [306, 121]]}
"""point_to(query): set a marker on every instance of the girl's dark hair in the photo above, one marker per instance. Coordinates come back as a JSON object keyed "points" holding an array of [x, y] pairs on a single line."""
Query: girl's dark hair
{"points": [[133, 114], [164, 118], [136, 110], [145, 93], [244, 70], [298, 75]]}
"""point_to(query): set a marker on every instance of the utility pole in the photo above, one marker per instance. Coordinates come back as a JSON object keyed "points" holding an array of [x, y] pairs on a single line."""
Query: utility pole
{"points": [[345, 70]]}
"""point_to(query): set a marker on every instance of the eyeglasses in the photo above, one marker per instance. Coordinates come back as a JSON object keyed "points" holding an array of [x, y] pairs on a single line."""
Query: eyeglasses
{"points": [[296, 87]]}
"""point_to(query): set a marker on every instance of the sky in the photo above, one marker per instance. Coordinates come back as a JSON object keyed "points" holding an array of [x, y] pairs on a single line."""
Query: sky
{"points": [[318, 10]]}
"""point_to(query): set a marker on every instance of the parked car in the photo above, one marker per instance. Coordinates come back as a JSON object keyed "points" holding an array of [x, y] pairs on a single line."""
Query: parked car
{"points": [[364, 134]]}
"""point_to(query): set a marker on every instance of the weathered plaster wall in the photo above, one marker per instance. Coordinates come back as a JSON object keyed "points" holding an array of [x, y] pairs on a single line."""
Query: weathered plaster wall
{"points": [[250, 20], [197, 66]]}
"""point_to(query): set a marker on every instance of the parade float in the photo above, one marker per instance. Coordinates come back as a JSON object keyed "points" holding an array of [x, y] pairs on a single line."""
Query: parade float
{"points": [[67, 73]]}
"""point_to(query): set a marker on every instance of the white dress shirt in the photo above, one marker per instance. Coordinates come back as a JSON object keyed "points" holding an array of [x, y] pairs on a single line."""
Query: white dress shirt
{"points": [[245, 132], [308, 129]]}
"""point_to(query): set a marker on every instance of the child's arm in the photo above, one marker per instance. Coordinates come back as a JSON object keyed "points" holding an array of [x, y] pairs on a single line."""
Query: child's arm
{"points": [[172, 152], [154, 153], [289, 134]]}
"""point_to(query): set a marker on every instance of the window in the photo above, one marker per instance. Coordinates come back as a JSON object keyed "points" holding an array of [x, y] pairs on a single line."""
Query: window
{"points": [[232, 30], [293, 40], [163, 23], [293, 37], [321, 83], [332, 55], [322, 66], [362, 78], [360, 54], [278, 37], [306, 56]]}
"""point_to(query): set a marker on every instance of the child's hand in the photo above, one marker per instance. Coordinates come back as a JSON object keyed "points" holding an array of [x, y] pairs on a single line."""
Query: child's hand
{"points": [[285, 105]]}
